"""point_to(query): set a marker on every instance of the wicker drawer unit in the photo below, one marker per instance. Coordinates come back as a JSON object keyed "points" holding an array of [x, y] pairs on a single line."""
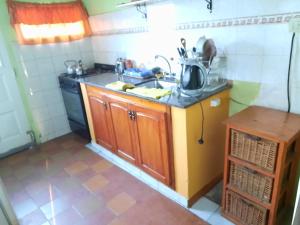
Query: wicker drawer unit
{"points": [[245, 211], [261, 159], [254, 149], [251, 182]]}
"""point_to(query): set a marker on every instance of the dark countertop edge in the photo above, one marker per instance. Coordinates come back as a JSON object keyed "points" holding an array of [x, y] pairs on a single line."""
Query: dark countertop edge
{"points": [[199, 98]]}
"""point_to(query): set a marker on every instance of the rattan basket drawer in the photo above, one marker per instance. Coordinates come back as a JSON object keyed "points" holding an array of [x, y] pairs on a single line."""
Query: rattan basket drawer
{"points": [[256, 150], [244, 211], [251, 182]]}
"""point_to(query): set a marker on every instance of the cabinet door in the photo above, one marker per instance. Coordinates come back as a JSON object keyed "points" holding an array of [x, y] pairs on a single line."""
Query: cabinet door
{"points": [[151, 132], [101, 121], [122, 129]]}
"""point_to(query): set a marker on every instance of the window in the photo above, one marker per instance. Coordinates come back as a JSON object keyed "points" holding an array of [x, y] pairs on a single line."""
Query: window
{"points": [[37, 23]]}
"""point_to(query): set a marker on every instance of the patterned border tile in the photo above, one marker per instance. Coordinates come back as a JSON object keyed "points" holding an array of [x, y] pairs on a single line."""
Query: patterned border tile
{"points": [[228, 22]]}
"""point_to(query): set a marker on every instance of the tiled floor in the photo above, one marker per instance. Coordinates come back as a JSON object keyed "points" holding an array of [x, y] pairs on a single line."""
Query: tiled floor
{"points": [[64, 183]]}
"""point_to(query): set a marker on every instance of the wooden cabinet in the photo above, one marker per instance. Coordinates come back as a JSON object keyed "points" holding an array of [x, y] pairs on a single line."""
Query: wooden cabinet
{"points": [[135, 130], [122, 129], [151, 132], [261, 158], [101, 120]]}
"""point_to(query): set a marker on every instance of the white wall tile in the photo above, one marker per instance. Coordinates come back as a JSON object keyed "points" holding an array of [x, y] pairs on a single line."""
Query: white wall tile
{"points": [[45, 66], [256, 53], [32, 84], [41, 114], [41, 51], [30, 68], [42, 64]]}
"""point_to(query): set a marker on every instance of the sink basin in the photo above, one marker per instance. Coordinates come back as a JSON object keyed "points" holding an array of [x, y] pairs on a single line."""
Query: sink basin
{"points": [[161, 84]]}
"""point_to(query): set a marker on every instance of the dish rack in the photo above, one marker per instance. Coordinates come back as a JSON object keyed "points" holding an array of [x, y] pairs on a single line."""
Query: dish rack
{"points": [[261, 158]]}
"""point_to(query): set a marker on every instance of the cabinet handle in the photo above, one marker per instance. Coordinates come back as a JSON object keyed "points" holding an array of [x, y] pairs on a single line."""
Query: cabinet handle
{"points": [[130, 114], [133, 115], [105, 105]]}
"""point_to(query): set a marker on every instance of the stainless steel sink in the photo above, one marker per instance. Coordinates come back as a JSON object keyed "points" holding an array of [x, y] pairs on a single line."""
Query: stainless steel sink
{"points": [[160, 84]]}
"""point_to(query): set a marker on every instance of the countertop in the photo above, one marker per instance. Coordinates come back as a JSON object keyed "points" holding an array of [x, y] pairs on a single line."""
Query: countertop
{"points": [[174, 99]]}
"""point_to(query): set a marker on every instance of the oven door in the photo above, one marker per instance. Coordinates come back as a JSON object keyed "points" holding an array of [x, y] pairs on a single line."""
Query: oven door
{"points": [[74, 107]]}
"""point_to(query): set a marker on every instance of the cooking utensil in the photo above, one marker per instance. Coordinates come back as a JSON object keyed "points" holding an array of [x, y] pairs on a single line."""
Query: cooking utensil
{"points": [[199, 45], [209, 52], [183, 52], [183, 42], [179, 52]]}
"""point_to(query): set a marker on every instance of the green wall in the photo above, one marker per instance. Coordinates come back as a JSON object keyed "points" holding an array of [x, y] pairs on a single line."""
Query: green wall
{"points": [[242, 95], [96, 7]]}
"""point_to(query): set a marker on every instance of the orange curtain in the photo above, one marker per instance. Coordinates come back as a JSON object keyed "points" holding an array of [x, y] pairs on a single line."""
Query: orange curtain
{"points": [[37, 23]]}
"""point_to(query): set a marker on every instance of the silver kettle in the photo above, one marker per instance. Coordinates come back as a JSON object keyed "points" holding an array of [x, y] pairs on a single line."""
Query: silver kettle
{"points": [[193, 77], [119, 66], [71, 66]]}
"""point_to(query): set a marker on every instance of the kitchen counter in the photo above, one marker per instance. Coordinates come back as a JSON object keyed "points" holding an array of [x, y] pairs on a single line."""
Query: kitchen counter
{"points": [[175, 124], [173, 100]]}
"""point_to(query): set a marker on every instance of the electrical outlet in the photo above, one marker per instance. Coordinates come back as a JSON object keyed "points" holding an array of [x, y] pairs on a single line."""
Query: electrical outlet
{"points": [[294, 25]]}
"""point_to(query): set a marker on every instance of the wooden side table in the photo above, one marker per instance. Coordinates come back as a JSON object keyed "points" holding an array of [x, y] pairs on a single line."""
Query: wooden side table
{"points": [[261, 159]]}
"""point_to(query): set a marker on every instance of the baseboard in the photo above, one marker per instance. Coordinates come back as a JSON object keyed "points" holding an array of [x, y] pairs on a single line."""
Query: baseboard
{"points": [[139, 174], [204, 190]]}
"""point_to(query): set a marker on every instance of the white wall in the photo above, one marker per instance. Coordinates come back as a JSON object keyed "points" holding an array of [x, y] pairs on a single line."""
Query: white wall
{"points": [[42, 65], [255, 53]]}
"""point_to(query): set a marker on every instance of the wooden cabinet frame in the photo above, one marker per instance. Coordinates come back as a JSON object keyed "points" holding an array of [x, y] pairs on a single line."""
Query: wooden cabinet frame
{"points": [[141, 113], [259, 125]]}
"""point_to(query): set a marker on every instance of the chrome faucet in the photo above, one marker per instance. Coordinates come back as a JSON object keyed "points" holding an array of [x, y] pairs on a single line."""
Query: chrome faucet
{"points": [[160, 56]]}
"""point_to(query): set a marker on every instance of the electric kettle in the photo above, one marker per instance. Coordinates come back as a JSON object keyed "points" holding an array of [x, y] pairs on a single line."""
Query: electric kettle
{"points": [[193, 77]]}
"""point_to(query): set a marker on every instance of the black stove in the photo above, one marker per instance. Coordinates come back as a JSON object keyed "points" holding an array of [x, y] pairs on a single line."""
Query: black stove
{"points": [[72, 96]]}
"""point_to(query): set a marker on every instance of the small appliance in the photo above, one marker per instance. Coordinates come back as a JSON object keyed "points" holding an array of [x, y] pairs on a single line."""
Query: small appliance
{"points": [[193, 77]]}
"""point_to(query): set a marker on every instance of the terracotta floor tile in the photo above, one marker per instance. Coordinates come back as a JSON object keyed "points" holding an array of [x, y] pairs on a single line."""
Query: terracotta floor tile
{"points": [[37, 157], [18, 196], [61, 155], [24, 172], [121, 203], [85, 175], [90, 191], [6, 171], [118, 221], [45, 196], [95, 184], [37, 186], [77, 195], [67, 185], [67, 217], [101, 166], [102, 217], [88, 206], [16, 159], [24, 208], [34, 218], [53, 208], [76, 168]]}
